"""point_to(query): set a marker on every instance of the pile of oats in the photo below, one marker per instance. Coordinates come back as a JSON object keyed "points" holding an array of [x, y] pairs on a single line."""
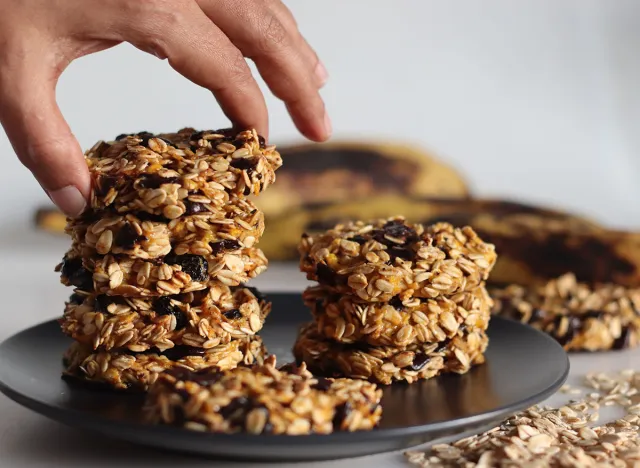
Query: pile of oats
{"points": [[160, 260], [395, 301], [579, 316], [565, 437]]}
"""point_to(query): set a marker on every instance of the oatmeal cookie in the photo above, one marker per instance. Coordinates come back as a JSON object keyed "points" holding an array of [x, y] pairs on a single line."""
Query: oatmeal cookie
{"points": [[377, 261], [173, 274], [580, 317], [202, 319], [164, 174], [262, 400], [400, 322], [136, 371], [206, 232], [386, 364]]}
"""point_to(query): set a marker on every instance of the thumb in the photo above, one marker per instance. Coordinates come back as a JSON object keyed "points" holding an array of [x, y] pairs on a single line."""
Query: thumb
{"points": [[41, 137]]}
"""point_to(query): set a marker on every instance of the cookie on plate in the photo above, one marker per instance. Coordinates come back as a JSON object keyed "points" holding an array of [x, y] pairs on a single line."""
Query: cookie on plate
{"points": [[580, 317], [401, 322], [379, 260], [202, 319], [136, 371], [386, 364], [262, 400]]}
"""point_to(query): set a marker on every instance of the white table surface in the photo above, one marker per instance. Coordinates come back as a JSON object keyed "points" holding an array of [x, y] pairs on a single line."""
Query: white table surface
{"points": [[31, 294]]}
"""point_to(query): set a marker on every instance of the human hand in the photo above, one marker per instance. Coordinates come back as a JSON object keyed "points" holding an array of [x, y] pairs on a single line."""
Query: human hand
{"points": [[204, 40]]}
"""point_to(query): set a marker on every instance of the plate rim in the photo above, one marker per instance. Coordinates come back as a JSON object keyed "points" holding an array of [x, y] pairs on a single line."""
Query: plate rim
{"points": [[72, 417]]}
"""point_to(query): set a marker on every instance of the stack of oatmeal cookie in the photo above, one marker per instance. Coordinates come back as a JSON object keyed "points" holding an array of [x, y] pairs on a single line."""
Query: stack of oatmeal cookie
{"points": [[160, 258], [395, 301]]}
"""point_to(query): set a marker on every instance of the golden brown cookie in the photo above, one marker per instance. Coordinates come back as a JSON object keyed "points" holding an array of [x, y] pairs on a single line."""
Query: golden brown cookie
{"points": [[262, 400], [207, 231], [379, 260], [169, 275], [136, 371], [400, 322], [164, 174], [386, 364], [578, 316], [203, 319]]}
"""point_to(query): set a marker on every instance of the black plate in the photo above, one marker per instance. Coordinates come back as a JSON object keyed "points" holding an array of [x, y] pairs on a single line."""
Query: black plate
{"points": [[523, 367]]}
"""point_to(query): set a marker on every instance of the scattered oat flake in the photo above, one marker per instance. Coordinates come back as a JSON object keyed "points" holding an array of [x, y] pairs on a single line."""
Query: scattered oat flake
{"points": [[561, 437]]}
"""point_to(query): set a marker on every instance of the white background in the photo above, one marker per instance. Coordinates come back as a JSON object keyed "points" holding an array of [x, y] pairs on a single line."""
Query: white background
{"points": [[535, 99]]}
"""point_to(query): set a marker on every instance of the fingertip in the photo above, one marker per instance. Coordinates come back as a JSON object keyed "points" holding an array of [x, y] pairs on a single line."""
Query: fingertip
{"points": [[316, 126], [69, 199]]}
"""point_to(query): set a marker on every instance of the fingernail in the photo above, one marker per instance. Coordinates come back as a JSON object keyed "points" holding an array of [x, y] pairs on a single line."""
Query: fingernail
{"points": [[69, 200], [327, 124], [321, 74]]}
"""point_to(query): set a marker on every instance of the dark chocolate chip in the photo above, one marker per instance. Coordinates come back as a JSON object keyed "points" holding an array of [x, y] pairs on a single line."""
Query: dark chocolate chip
{"points": [[76, 299], [574, 325], [196, 136], [341, 414], [443, 345], [224, 245], [204, 377], [232, 314], [144, 216], [537, 315], [239, 142], [358, 238], [289, 368], [76, 274], [195, 266], [595, 314], [194, 208], [237, 409], [323, 384], [180, 352], [154, 181], [244, 163], [163, 306], [122, 136], [397, 230], [396, 251], [325, 275], [419, 361], [624, 340], [247, 191], [102, 302], [396, 303], [104, 183], [127, 237]]}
